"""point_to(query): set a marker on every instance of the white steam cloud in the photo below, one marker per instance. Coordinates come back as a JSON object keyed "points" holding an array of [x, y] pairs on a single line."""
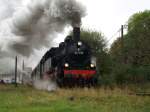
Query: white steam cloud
{"points": [[47, 85]]}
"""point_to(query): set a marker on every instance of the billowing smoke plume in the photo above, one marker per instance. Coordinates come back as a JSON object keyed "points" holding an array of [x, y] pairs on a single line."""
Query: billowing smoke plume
{"points": [[38, 23], [28, 26]]}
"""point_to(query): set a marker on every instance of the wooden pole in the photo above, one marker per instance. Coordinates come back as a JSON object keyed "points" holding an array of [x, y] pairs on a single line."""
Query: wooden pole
{"points": [[122, 35], [122, 43], [16, 72]]}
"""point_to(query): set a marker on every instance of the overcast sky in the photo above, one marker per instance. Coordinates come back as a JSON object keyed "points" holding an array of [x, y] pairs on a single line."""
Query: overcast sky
{"points": [[106, 16], [102, 15]]}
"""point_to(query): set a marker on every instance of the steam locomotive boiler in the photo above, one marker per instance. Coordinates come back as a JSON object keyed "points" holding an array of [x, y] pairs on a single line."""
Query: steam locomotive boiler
{"points": [[72, 63]]}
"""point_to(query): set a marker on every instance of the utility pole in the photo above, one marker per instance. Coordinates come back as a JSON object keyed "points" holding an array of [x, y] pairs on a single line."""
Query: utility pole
{"points": [[23, 65], [122, 28], [23, 71], [16, 72], [122, 43]]}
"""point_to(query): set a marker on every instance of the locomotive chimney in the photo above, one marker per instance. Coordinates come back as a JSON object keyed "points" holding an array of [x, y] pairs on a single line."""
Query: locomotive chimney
{"points": [[76, 33]]}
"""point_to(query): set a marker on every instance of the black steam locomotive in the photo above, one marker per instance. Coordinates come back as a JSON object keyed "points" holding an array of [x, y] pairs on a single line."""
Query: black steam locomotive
{"points": [[72, 63]]}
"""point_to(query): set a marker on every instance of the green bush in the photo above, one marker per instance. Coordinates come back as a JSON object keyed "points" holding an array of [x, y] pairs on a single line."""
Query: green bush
{"points": [[125, 74]]}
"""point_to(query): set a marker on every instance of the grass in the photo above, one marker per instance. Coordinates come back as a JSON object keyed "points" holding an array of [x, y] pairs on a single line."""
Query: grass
{"points": [[27, 99]]}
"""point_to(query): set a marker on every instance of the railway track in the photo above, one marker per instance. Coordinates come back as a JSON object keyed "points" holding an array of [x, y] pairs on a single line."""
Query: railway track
{"points": [[143, 93]]}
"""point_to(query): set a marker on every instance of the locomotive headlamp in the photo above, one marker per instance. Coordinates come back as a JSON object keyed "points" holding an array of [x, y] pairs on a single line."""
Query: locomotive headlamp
{"points": [[79, 43], [92, 65], [66, 65]]}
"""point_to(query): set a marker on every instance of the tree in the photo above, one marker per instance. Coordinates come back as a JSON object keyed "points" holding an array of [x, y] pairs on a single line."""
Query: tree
{"points": [[134, 55], [95, 40], [138, 39], [115, 50]]}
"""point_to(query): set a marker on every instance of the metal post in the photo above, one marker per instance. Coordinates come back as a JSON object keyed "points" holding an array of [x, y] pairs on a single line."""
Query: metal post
{"points": [[16, 72]]}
